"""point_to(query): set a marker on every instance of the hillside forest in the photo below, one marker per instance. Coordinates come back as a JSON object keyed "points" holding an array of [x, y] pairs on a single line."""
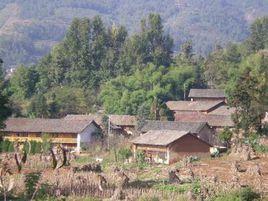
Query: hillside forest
{"points": [[29, 29], [102, 68]]}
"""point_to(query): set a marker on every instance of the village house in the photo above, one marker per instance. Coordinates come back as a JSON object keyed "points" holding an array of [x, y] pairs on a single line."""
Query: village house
{"points": [[168, 146], [98, 118], [207, 95], [199, 129], [193, 107], [215, 112], [70, 133], [216, 122], [122, 125]]}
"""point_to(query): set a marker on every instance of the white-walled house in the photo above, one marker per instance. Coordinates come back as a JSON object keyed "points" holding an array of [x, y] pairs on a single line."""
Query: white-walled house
{"points": [[75, 134]]}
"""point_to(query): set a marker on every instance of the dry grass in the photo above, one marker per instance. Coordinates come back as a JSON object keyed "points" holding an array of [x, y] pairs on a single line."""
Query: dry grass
{"points": [[146, 184]]}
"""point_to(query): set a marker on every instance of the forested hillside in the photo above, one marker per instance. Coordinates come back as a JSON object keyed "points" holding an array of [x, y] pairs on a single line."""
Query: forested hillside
{"points": [[28, 29], [97, 67]]}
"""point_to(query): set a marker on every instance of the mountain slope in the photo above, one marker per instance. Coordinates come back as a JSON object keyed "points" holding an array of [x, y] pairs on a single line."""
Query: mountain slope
{"points": [[28, 29]]}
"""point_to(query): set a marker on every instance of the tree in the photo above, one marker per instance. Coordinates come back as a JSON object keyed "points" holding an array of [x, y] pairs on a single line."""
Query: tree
{"points": [[5, 111], [22, 82], [38, 106], [146, 91], [248, 92], [151, 45], [258, 39]]}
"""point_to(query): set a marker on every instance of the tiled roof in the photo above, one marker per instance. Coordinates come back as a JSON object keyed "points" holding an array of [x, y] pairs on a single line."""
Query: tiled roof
{"points": [[159, 137], [223, 110], [212, 120], [206, 93], [96, 117], [192, 127], [46, 125], [192, 105], [123, 120]]}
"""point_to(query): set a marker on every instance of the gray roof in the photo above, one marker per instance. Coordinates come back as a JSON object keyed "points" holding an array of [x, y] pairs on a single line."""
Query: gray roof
{"points": [[123, 120], [46, 125], [192, 127], [206, 93], [159, 137], [90, 117], [223, 110], [211, 119], [192, 105]]}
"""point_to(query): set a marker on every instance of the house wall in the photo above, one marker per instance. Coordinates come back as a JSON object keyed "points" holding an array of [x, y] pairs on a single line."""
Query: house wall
{"points": [[85, 138], [156, 154], [186, 146], [208, 135], [56, 138]]}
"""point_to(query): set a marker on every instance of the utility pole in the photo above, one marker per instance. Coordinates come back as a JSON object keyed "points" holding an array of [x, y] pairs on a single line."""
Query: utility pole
{"points": [[184, 90], [109, 127]]}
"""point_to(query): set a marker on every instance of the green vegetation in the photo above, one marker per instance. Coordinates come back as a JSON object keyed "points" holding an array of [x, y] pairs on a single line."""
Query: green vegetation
{"points": [[29, 29], [245, 194], [226, 135], [101, 67], [4, 108]]}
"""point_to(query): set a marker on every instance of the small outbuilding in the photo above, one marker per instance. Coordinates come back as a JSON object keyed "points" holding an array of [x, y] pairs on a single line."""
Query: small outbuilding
{"points": [[124, 125], [168, 146]]}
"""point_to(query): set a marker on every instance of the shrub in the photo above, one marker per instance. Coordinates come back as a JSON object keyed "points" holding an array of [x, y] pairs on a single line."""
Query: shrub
{"points": [[124, 153], [31, 183], [226, 135], [196, 187], [245, 194], [46, 143], [141, 160], [254, 141], [6, 146], [140, 157]]}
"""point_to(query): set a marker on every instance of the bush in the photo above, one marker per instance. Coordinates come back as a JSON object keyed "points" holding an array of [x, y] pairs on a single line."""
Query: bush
{"points": [[196, 187], [226, 135], [124, 153], [6, 146], [254, 141], [245, 194], [31, 182], [141, 160]]}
